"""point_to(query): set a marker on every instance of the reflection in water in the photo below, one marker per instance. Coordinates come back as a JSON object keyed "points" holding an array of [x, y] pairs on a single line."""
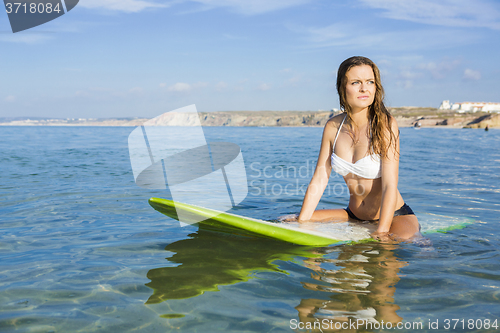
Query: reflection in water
{"points": [[346, 283], [359, 285], [210, 259]]}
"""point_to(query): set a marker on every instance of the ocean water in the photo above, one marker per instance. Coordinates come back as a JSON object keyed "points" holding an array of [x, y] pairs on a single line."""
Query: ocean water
{"points": [[81, 250]]}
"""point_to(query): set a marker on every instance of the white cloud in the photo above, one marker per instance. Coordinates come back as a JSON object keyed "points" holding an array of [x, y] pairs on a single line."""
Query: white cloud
{"points": [[26, 38], [441, 69], [470, 74], [408, 74], [82, 93], [128, 6], [453, 13], [252, 7], [406, 77], [10, 98], [100, 94], [221, 86], [104, 94], [233, 37], [185, 87], [337, 31], [180, 87], [347, 36], [405, 84], [200, 85], [264, 87], [247, 7], [136, 90]]}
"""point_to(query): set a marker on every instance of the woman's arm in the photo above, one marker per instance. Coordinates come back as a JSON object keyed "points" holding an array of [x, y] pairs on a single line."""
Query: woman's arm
{"points": [[390, 171], [321, 174]]}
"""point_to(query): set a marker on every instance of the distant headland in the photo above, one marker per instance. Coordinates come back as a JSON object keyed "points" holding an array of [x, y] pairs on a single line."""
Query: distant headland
{"points": [[406, 117]]}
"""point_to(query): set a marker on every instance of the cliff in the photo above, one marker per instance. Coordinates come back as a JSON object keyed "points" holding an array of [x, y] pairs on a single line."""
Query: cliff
{"points": [[266, 118], [490, 120], [406, 117]]}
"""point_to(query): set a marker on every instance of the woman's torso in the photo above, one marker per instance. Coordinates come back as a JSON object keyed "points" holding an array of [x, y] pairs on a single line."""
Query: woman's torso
{"points": [[361, 171]]}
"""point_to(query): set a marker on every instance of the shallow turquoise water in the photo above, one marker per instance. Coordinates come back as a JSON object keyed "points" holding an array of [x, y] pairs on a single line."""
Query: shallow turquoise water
{"points": [[82, 250]]}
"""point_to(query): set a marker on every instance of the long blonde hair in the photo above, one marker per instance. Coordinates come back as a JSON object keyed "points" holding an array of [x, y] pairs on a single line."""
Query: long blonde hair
{"points": [[381, 136]]}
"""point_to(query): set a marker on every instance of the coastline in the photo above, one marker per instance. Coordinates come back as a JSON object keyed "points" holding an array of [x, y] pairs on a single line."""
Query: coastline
{"points": [[405, 116]]}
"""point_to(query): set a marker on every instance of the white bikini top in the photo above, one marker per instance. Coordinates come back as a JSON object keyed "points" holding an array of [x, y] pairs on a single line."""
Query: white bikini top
{"points": [[368, 167]]}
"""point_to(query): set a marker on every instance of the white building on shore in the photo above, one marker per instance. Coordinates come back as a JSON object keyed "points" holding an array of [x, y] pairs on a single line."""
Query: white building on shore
{"points": [[470, 106]]}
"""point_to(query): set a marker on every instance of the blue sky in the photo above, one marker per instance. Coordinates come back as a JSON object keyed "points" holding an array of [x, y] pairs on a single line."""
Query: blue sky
{"points": [[141, 58]]}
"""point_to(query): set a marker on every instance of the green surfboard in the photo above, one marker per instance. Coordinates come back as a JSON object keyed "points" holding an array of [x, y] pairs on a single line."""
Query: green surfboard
{"points": [[312, 233]]}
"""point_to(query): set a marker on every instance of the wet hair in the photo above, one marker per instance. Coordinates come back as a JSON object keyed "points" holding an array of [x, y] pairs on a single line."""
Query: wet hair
{"points": [[381, 135]]}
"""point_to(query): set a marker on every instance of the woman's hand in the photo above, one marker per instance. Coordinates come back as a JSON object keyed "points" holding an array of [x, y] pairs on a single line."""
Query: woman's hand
{"points": [[384, 237], [288, 218]]}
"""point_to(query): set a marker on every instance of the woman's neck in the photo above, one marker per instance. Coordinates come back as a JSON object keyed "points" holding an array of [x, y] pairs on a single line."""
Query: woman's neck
{"points": [[359, 117]]}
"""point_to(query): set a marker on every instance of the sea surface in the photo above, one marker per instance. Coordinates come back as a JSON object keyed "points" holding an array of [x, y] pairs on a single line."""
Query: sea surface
{"points": [[81, 250]]}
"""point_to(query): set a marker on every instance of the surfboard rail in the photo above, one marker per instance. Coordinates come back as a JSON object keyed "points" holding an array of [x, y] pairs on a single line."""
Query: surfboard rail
{"points": [[223, 221], [260, 227]]}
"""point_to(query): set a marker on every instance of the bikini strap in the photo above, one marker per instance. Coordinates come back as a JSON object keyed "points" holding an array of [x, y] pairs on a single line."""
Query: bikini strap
{"points": [[338, 131]]}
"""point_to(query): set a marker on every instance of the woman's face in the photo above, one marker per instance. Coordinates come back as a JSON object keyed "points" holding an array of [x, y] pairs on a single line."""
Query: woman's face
{"points": [[360, 87]]}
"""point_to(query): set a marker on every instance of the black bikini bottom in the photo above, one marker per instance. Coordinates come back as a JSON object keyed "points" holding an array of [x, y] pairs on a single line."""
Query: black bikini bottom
{"points": [[404, 210]]}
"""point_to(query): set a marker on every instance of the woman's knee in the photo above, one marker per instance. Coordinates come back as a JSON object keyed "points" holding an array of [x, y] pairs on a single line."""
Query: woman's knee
{"points": [[405, 226]]}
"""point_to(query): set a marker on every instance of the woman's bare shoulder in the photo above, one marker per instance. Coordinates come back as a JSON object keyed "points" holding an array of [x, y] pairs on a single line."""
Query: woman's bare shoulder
{"points": [[334, 122]]}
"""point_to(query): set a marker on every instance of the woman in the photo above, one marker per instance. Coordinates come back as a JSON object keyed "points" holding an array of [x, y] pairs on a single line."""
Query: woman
{"points": [[362, 145]]}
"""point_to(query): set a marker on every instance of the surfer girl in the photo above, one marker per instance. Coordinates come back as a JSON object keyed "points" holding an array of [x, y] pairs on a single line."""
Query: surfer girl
{"points": [[362, 145]]}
